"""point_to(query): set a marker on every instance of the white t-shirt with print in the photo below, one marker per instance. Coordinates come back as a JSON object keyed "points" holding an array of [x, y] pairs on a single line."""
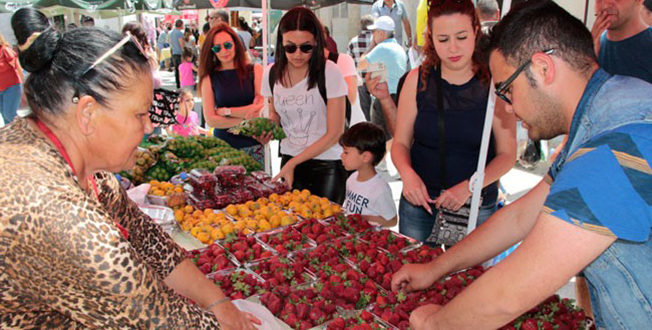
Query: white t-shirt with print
{"points": [[303, 111], [371, 197]]}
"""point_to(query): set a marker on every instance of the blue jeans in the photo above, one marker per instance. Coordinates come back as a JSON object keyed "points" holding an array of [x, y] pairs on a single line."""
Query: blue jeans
{"points": [[620, 286], [416, 222], [10, 101]]}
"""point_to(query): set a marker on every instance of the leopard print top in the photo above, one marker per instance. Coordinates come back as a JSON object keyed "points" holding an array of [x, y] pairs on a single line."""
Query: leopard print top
{"points": [[64, 262]]}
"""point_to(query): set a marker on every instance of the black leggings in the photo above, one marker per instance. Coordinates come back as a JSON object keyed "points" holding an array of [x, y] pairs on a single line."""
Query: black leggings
{"points": [[324, 178]]}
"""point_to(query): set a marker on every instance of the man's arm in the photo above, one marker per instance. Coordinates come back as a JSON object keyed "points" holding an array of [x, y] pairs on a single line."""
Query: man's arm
{"points": [[381, 92], [408, 32], [505, 228], [548, 257]]}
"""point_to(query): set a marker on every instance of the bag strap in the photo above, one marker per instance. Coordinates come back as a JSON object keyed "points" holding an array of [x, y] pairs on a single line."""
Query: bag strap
{"points": [[441, 128], [271, 79]]}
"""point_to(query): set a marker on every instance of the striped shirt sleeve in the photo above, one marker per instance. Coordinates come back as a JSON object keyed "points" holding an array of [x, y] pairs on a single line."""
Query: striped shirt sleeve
{"points": [[606, 185]]}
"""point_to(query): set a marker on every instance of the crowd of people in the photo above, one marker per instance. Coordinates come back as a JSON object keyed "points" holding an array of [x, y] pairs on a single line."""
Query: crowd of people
{"points": [[77, 252]]}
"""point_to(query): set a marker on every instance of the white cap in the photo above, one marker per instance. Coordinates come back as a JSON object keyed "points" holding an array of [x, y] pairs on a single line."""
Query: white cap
{"points": [[384, 23]]}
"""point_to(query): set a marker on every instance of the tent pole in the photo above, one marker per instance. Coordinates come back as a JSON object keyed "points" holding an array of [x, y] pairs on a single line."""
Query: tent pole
{"points": [[484, 146], [264, 5]]}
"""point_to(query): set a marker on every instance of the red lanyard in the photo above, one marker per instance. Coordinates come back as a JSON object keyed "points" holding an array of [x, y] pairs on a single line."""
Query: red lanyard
{"points": [[53, 138]]}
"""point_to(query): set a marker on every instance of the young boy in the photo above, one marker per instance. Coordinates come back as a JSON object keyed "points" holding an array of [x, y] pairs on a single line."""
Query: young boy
{"points": [[366, 192]]}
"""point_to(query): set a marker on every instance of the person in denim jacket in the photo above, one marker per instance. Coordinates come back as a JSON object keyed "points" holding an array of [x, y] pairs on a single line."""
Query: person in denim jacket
{"points": [[591, 213]]}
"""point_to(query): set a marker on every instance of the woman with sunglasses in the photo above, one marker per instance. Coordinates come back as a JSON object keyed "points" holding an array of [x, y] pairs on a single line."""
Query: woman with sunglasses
{"points": [[451, 50], [230, 87], [312, 117], [76, 251]]}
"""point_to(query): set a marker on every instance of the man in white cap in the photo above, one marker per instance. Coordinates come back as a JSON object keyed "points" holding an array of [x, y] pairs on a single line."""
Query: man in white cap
{"points": [[384, 49]]}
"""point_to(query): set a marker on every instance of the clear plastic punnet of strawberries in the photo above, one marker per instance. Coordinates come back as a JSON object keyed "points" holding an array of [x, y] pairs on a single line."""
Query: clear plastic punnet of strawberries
{"points": [[344, 281]]}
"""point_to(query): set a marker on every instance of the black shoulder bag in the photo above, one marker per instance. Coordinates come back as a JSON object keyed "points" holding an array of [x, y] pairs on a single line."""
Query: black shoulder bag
{"points": [[450, 226]]}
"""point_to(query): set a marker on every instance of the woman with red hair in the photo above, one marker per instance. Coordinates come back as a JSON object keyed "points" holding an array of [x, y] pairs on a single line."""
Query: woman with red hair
{"points": [[230, 87], [436, 149]]}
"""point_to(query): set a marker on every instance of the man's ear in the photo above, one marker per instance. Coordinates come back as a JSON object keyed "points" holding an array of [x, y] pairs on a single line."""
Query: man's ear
{"points": [[544, 67], [85, 111]]}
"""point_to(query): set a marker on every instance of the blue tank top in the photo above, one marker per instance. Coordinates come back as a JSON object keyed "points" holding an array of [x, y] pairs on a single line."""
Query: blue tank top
{"points": [[229, 91], [464, 111]]}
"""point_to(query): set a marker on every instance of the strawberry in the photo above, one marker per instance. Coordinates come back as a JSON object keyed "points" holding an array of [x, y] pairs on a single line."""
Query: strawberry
{"points": [[337, 323], [365, 315], [317, 316], [529, 324], [302, 311]]}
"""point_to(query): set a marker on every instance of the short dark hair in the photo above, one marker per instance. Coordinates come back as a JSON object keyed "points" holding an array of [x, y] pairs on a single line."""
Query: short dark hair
{"points": [[87, 19], [365, 21], [206, 28], [58, 62], [366, 136], [178, 23], [487, 8], [222, 14], [187, 52], [534, 27]]}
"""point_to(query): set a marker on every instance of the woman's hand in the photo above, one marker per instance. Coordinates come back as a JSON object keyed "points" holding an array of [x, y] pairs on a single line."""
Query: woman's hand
{"points": [[414, 190], [286, 173], [264, 138], [230, 317], [453, 198], [253, 113]]}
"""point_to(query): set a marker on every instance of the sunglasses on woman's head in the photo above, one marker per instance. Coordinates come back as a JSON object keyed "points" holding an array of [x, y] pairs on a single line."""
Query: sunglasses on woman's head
{"points": [[292, 48], [218, 48], [128, 37]]}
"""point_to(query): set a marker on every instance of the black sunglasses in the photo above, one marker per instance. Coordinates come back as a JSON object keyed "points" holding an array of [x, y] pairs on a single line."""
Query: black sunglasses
{"points": [[501, 87], [292, 48], [218, 48]]}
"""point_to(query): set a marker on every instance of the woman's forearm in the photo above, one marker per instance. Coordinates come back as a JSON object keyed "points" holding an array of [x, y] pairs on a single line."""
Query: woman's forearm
{"points": [[222, 122], [189, 282], [241, 112], [498, 166], [401, 158]]}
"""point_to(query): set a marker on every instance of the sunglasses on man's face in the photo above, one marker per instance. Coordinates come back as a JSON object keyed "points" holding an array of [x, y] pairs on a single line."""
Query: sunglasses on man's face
{"points": [[292, 48], [218, 48]]}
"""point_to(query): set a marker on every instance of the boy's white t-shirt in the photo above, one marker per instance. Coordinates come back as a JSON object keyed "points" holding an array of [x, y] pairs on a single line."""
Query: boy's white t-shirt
{"points": [[303, 111], [372, 197]]}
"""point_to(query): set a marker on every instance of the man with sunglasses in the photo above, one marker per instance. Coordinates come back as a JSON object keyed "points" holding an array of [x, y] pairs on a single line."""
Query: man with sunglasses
{"points": [[592, 211]]}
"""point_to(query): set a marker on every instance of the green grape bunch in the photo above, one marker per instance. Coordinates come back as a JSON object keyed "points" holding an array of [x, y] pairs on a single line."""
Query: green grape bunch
{"points": [[257, 127]]}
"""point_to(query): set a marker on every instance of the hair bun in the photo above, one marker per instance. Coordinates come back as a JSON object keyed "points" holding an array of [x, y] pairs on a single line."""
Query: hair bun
{"points": [[37, 51], [41, 52]]}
